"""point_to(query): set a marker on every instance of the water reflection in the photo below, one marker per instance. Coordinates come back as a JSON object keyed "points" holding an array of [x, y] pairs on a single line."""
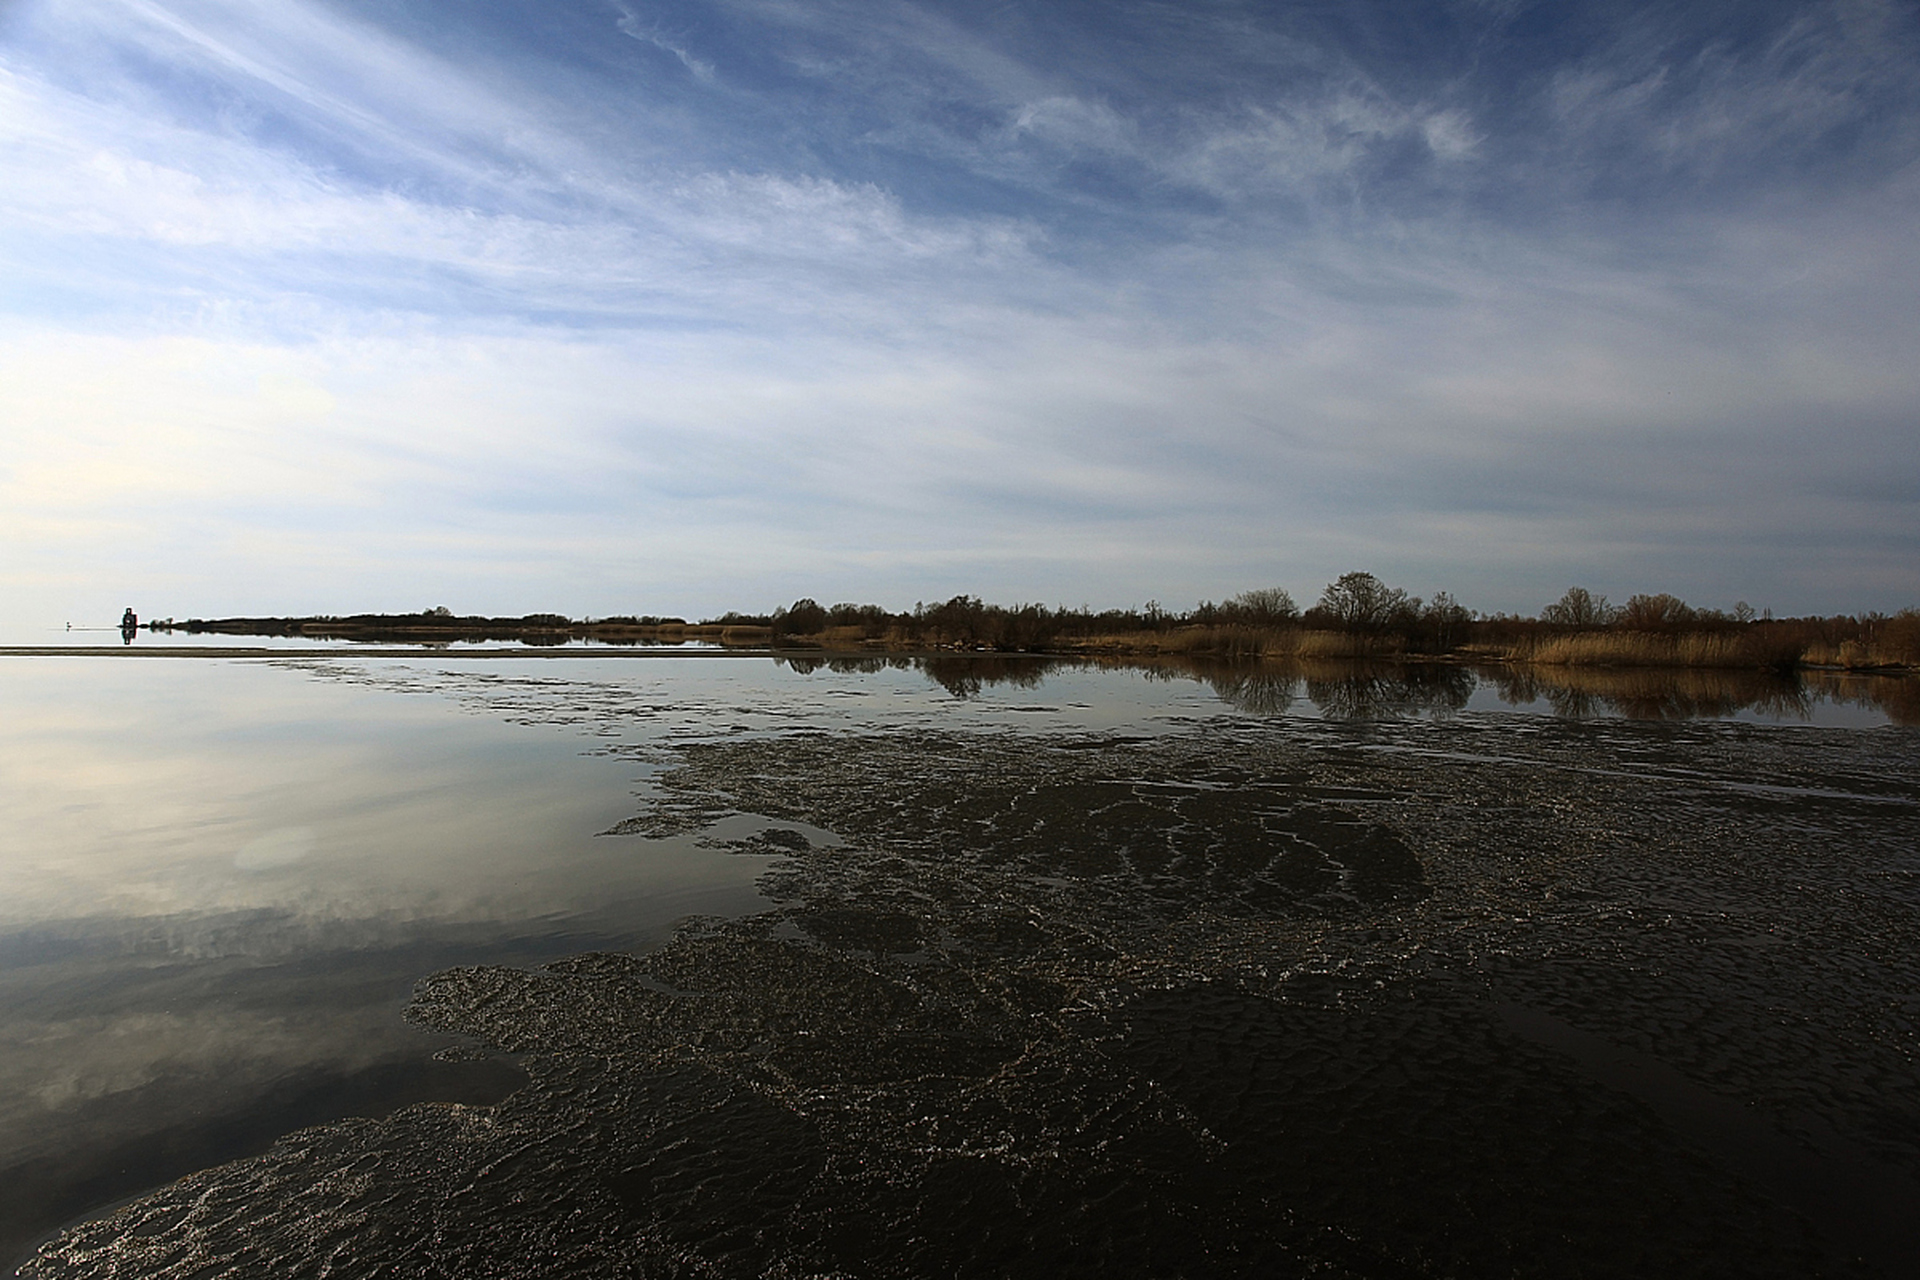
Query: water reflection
{"points": [[1262, 691], [1372, 692], [1896, 696], [841, 664], [964, 675], [1364, 690], [222, 880], [1104, 998], [1651, 694]]}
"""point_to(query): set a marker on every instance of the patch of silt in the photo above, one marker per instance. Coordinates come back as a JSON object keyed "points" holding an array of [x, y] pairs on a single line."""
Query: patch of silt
{"points": [[1251, 1000]]}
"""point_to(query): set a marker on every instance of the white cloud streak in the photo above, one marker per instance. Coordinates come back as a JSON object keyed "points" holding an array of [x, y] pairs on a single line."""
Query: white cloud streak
{"points": [[631, 26], [261, 367]]}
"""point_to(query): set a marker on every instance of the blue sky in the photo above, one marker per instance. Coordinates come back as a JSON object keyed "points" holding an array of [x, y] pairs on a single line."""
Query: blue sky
{"points": [[607, 306]]}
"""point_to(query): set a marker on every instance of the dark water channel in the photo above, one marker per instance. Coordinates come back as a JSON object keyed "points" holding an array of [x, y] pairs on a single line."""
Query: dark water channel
{"points": [[331, 965]]}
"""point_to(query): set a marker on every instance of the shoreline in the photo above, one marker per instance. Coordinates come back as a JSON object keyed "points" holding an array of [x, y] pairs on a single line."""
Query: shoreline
{"points": [[224, 651], [1144, 655], [1260, 625]]}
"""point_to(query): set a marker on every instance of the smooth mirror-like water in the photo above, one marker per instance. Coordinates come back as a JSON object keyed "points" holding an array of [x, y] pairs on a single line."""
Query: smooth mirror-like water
{"points": [[146, 641], [221, 880]]}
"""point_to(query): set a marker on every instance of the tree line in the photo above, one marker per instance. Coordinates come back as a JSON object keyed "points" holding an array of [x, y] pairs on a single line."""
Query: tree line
{"points": [[1356, 604], [1356, 615]]}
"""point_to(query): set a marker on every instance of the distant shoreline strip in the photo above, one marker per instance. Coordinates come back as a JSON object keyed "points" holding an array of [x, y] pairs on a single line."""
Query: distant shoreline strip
{"points": [[208, 651]]}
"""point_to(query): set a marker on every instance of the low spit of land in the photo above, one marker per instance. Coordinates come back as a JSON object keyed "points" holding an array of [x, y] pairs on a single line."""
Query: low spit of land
{"points": [[1357, 616]]}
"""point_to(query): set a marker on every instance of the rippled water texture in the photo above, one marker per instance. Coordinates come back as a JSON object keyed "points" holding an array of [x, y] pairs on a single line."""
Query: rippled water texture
{"points": [[1068, 971]]}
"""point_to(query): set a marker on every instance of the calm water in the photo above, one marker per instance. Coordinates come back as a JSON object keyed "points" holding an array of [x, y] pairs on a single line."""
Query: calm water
{"points": [[223, 878]]}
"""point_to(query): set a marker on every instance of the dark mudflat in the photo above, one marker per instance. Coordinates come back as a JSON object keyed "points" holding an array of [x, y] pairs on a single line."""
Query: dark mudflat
{"points": [[1501, 997]]}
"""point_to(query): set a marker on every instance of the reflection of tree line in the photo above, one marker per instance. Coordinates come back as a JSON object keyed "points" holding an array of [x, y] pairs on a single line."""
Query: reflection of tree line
{"points": [[1346, 690], [440, 626], [1897, 696], [1683, 694], [962, 675], [1655, 694]]}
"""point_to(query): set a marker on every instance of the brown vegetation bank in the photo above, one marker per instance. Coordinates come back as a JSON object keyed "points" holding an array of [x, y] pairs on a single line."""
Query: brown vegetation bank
{"points": [[1357, 616]]}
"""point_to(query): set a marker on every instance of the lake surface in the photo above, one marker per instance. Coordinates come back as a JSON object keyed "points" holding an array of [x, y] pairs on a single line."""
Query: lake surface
{"points": [[995, 964]]}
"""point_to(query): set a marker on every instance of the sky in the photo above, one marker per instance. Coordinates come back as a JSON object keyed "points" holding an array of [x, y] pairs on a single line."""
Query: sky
{"points": [[612, 306]]}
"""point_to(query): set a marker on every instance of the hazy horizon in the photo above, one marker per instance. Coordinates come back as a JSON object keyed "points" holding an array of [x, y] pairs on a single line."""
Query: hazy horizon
{"points": [[612, 307]]}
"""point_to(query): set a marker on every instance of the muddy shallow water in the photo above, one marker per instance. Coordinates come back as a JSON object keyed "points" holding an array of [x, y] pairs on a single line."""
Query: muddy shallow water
{"points": [[1185, 982]]}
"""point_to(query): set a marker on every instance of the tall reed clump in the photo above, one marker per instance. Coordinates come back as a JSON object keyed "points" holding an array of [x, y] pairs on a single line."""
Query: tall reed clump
{"points": [[1235, 640], [1219, 641], [1349, 644], [1878, 642], [1750, 648], [1248, 641]]}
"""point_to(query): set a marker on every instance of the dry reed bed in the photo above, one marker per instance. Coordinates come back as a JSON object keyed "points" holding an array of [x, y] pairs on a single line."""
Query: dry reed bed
{"points": [[1750, 649], [1760, 647], [1244, 642], [1645, 649], [1856, 655]]}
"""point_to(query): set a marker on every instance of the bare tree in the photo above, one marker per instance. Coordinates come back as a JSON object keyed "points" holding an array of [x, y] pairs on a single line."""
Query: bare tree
{"points": [[1580, 608], [1266, 604], [805, 618], [1652, 612], [1361, 602], [1447, 617]]}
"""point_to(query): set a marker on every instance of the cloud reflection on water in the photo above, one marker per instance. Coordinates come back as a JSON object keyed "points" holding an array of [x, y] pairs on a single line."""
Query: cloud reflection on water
{"points": [[222, 879], [1362, 690]]}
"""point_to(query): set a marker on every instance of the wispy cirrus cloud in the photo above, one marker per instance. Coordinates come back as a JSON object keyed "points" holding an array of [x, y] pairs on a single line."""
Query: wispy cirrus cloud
{"points": [[632, 26], [1012, 301]]}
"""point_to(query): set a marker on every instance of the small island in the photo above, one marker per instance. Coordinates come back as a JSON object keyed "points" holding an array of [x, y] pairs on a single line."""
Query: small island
{"points": [[439, 626]]}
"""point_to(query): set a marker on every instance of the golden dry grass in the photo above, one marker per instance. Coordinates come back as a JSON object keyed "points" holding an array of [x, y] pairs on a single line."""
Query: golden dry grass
{"points": [[1239, 641], [1646, 649], [1887, 642], [1857, 655], [1345, 644]]}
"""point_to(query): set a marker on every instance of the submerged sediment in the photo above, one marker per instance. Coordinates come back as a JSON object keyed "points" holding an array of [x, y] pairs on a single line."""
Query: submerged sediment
{"points": [[1237, 998]]}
